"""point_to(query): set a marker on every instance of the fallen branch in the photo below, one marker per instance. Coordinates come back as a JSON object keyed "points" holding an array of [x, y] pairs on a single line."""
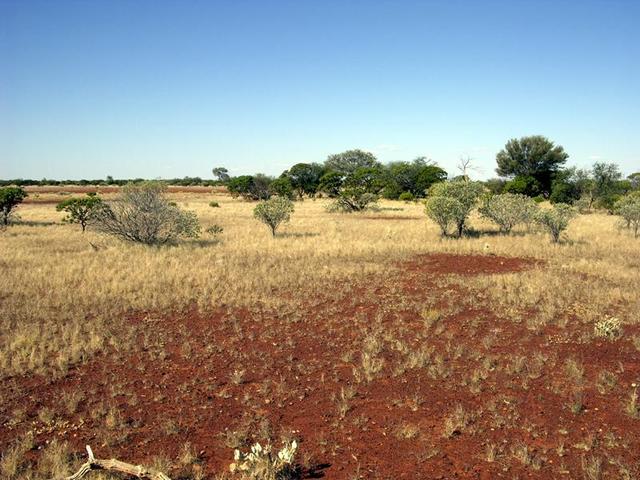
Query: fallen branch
{"points": [[114, 465]]}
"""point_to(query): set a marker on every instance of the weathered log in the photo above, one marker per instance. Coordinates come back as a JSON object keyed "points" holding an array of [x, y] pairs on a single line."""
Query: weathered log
{"points": [[114, 465]]}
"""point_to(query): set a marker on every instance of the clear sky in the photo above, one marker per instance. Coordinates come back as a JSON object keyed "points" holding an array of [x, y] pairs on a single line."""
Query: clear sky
{"points": [[173, 88]]}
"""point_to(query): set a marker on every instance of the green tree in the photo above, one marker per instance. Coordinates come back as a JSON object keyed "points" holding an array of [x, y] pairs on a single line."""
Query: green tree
{"points": [[250, 187], [274, 212], [413, 177], [359, 190], [450, 203], [628, 207], [535, 156], [282, 187], [222, 174], [80, 210], [10, 198], [523, 185], [305, 178], [348, 162], [331, 183], [606, 177]]}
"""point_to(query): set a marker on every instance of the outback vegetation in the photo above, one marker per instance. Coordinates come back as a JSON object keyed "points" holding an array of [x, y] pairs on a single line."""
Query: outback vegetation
{"points": [[376, 338]]}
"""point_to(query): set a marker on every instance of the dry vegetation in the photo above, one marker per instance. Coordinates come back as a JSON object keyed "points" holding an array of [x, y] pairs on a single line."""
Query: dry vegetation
{"points": [[339, 332]]}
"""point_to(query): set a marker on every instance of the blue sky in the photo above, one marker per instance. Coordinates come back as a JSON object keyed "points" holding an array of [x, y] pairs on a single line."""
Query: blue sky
{"points": [[173, 88]]}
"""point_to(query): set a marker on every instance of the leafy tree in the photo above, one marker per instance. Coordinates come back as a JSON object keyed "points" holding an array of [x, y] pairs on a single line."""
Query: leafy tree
{"points": [[143, 214], [10, 198], [414, 177], [250, 187], [331, 183], [495, 185], [634, 178], [628, 207], [359, 190], [80, 210], [305, 178], [222, 174], [523, 185], [508, 210], [274, 212], [556, 219], [534, 156], [605, 178], [450, 203], [281, 187], [348, 162]]}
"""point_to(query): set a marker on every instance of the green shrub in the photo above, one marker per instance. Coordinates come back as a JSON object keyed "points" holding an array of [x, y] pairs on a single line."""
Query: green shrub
{"points": [[556, 219], [406, 197], [142, 214], [450, 203], [508, 210], [214, 204], [273, 212], [80, 210], [10, 197], [628, 207], [214, 230]]}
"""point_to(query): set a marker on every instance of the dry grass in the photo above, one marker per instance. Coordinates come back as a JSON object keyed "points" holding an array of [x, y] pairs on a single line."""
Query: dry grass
{"points": [[64, 293]]}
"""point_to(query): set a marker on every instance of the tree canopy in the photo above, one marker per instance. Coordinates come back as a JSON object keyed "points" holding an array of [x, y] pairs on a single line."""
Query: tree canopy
{"points": [[536, 157]]}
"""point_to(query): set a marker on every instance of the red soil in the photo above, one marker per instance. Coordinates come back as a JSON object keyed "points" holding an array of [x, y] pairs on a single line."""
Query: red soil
{"points": [[294, 364]]}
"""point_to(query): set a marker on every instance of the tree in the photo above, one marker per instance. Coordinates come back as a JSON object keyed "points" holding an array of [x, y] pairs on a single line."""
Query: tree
{"points": [[80, 210], [10, 198], [634, 178], [534, 156], [605, 178], [451, 203], [359, 190], [273, 212], [250, 187], [281, 187], [143, 214], [556, 219], [305, 178], [413, 177], [331, 183], [348, 162], [628, 207], [222, 174], [508, 210], [523, 185]]}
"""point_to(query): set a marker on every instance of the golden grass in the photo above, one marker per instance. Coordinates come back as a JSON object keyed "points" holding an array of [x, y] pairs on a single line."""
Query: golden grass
{"points": [[64, 294]]}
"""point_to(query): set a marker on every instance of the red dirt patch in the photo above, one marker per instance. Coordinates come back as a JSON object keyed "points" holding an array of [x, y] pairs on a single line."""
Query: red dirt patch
{"points": [[447, 263], [198, 377]]}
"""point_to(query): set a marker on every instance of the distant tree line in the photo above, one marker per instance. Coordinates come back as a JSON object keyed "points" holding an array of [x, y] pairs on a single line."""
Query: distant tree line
{"points": [[533, 166]]}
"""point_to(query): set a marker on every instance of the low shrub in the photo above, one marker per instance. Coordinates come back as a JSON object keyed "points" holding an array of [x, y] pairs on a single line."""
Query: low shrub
{"points": [[273, 212], [556, 220], [214, 204], [508, 210]]}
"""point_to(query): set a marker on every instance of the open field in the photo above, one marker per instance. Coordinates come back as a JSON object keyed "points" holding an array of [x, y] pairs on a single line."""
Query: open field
{"points": [[385, 350]]}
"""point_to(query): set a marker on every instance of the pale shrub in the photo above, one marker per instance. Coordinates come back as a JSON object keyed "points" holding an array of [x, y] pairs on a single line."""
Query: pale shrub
{"points": [[508, 210]]}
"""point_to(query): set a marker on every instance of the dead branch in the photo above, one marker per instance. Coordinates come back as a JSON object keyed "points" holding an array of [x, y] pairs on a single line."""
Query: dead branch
{"points": [[114, 465]]}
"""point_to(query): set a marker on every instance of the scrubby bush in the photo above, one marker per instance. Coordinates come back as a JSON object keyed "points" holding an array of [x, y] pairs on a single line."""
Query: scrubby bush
{"points": [[213, 204], [450, 203], [10, 198], [214, 230], [143, 214], [508, 210], [263, 463], [628, 207], [556, 220], [274, 212], [80, 210], [406, 197], [359, 191]]}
